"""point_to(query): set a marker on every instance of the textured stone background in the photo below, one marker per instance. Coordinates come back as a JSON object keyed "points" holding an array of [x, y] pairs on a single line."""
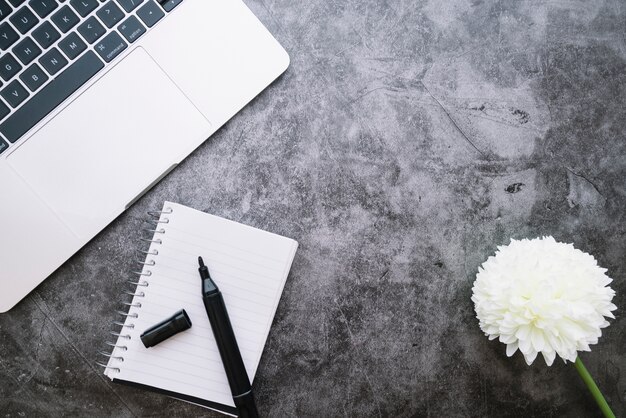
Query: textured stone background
{"points": [[406, 141]]}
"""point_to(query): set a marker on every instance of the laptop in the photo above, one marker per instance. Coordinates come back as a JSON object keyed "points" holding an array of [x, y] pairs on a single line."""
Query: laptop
{"points": [[101, 99]]}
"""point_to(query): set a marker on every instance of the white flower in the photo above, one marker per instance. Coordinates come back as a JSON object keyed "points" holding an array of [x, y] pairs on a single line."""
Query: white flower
{"points": [[543, 296]]}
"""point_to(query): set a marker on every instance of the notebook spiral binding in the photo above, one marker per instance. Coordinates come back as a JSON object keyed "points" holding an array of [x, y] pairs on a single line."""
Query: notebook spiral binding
{"points": [[155, 218]]}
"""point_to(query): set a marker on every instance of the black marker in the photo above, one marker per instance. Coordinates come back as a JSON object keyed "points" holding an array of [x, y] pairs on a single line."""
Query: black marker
{"points": [[227, 344]]}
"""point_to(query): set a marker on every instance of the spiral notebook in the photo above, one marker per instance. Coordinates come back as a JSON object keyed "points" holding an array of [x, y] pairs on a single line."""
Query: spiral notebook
{"points": [[249, 265]]}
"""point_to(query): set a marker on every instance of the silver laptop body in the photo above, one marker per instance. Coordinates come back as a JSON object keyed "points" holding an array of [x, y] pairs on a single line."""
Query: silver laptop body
{"points": [[100, 100]]}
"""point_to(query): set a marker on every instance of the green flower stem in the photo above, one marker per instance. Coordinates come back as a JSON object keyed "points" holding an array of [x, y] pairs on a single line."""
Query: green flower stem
{"points": [[593, 388]]}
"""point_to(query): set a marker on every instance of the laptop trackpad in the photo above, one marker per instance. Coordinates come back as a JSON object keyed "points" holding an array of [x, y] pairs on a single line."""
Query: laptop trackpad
{"points": [[110, 143]]}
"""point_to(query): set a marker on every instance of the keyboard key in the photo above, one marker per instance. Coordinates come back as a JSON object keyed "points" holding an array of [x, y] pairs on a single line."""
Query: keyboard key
{"points": [[72, 45], [65, 19], [8, 67], [14, 93], [132, 29], [150, 13], [53, 61], [4, 110], [110, 14], [5, 9], [84, 7], [27, 50], [43, 7], [168, 5], [3, 145], [23, 19], [50, 96], [8, 36], [91, 29], [110, 46], [16, 3], [129, 5], [46, 34], [33, 77]]}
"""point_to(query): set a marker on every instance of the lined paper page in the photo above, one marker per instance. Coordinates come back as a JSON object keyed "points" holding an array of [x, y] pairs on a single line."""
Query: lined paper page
{"points": [[250, 267]]}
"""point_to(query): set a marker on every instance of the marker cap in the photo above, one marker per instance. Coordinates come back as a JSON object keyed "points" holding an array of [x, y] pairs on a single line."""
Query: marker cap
{"points": [[165, 329]]}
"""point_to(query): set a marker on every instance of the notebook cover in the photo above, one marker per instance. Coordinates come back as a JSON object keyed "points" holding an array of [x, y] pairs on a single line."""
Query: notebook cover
{"points": [[198, 401]]}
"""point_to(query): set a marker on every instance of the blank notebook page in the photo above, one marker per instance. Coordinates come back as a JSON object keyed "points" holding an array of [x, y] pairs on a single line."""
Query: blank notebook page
{"points": [[250, 267]]}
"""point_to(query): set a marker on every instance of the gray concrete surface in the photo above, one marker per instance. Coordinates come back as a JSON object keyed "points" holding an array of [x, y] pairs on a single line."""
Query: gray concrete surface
{"points": [[406, 141]]}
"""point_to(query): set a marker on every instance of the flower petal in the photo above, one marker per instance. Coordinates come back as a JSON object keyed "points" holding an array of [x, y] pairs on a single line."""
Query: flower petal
{"points": [[511, 349], [524, 346], [530, 357], [537, 339], [549, 357]]}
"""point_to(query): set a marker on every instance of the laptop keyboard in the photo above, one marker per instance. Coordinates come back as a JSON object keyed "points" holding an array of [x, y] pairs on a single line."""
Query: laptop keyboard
{"points": [[52, 47]]}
